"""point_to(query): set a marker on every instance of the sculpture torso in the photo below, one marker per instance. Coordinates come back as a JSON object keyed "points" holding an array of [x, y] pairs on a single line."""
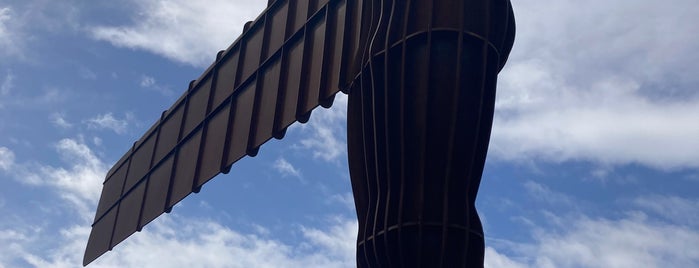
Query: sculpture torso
{"points": [[419, 120]]}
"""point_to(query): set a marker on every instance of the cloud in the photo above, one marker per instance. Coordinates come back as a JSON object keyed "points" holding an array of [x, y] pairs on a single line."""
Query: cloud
{"points": [[7, 83], [346, 199], [189, 32], [673, 208], [80, 183], [545, 194], [630, 242], [197, 242], [493, 259], [148, 82], [580, 241], [612, 83], [7, 158], [9, 34], [200, 243], [176, 241], [59, 120], [326, 132], [286, 168], [108, 121]]}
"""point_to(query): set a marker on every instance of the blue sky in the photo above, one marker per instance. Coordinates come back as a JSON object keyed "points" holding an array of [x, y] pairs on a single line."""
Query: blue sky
{"points": [[594, 156]]}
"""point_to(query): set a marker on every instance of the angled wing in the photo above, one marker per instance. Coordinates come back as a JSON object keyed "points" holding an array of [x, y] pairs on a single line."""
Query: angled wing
{"points": [[286, 63]]}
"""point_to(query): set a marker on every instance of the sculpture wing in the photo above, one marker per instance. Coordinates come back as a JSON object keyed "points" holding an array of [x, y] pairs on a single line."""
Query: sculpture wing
{"points": [[286, 63]]}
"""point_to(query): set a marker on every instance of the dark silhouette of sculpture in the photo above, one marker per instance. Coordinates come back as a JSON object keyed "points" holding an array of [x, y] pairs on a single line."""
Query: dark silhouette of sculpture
{"points": [[419, 121], [421, 78]]}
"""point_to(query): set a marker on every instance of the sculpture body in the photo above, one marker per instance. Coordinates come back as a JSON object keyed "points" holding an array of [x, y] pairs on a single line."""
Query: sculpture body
{"points": [[419, 123]]}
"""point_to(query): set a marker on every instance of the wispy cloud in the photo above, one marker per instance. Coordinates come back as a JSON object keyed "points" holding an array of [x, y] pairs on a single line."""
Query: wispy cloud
{"points": [[346, 199], [78, 182], [580, 241], [10, 39], [59, 120], [673, 208], [493, 259], [326, 131], [7, 158], [198, 242], [620, 92], [7, 83], [108, 121], [149, 82], [184, 31], [286, 168], [86, 73], [545, 194]]}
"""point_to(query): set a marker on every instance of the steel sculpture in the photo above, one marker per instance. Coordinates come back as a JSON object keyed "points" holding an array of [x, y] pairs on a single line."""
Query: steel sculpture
{"points": [[421, 78]]}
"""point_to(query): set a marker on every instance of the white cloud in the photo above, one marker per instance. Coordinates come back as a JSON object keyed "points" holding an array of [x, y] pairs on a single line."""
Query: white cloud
{"points": [[673, 208], [185, 31], [346, 199], [326, 131], [629, 242], [148, 82], [108, 121], [286, 168], [9, 35], [201, 243], [580, 241], [86, 73], [80, 183], [59, 120], [338, 242], [611, 83], [197, 242], [544, 193], [493, 259], [7, 83], [7, 158]]}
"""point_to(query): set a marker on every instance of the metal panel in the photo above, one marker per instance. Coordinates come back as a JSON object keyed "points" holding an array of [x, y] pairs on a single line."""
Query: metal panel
{"points": [[118, 164], [266, 103], [214, 144], [293, 61], [197, 104], [252, 51], [225, 78], [185, 169], [251, 92], [128, 215], [240, 129], [314, 72], [112, 190], [276, 28], [300, 11], [169, 132], [140, 161], [334, 46], [100, 238], [157, 191]]}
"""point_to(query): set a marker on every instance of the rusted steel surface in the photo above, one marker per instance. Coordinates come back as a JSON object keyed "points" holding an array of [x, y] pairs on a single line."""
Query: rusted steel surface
{"points": [[421, 76], [252, 92]]}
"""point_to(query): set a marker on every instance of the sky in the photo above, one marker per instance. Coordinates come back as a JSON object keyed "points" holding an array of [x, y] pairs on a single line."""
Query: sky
{"points": [[593, 160]]}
